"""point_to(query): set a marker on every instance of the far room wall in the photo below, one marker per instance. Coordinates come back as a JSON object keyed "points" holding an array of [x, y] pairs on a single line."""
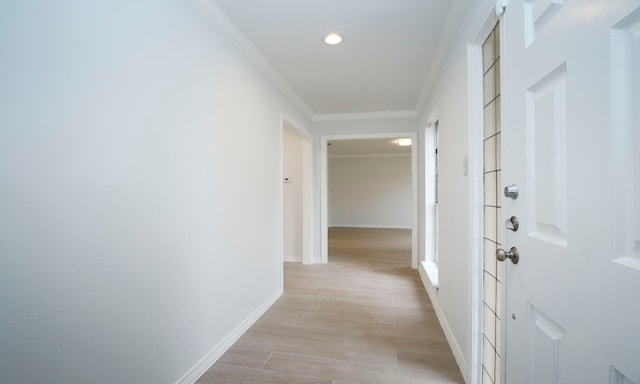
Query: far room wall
{"points": [[370, 192]]}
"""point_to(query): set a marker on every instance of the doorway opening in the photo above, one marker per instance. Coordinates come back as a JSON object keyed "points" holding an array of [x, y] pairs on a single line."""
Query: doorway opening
{"points": [[297, 194], [324, 176]]}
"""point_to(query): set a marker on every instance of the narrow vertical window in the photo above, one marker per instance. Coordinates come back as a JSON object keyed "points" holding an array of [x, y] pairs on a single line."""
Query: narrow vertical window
{"points": [[436, 187]]}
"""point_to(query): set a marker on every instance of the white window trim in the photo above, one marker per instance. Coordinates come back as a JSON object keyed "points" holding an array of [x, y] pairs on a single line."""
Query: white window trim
{"points": [[431, 269], [430, 263]]}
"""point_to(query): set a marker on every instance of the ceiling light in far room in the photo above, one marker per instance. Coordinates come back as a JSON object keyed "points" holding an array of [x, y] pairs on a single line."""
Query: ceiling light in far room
{"points": [[404, 142], [333, 39]]}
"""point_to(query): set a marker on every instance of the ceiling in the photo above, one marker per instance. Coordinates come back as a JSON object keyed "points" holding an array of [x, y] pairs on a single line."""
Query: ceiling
{"points": [[386, 63], [359, 147]]}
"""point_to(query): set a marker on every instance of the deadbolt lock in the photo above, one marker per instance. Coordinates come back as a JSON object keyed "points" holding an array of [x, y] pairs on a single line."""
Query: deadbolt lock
{"points": [[512, 224], [511, 191]]}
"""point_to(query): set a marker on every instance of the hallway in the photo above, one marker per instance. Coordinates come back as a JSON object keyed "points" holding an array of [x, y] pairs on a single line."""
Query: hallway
{"points": [[363, 318]]}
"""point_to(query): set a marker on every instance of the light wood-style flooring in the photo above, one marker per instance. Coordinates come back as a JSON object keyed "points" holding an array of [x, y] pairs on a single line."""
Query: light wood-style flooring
{"points": [[362, 318]]}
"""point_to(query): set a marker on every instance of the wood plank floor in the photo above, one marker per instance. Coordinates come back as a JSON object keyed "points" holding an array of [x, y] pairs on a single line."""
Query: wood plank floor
{"points": [[362, 318]]}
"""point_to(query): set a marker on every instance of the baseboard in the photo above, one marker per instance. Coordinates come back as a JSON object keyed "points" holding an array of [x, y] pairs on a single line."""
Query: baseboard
{"points": [[210, 358], [292, 259], [433, 295], [370, 226]]}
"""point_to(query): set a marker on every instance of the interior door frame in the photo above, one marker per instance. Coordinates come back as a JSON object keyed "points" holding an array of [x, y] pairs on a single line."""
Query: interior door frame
{"points": [[324, 195], [475, 126], [307, 191]]}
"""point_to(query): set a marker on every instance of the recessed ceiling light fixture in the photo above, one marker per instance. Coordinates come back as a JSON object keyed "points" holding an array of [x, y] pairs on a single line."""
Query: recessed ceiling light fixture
{"points": [[404, 142], [333, 39]]}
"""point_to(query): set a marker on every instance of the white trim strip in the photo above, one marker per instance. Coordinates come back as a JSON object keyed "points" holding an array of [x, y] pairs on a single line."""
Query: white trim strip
{"points": [[212, 12], [369, 155], [455, 348], [366, 115], [212, 356], [371, 226]]}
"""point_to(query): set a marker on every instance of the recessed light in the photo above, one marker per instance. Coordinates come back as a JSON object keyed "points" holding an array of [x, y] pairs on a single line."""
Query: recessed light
{"points": [[333, 39], [404, 142]]}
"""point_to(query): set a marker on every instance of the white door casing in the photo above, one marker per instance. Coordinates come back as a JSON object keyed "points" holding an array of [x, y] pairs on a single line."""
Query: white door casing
{"points": [[306, 159], [571, 97]]}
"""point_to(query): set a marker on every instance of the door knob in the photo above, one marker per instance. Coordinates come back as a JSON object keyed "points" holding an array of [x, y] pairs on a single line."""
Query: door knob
{"points": [[512, 254], [511, 191]]}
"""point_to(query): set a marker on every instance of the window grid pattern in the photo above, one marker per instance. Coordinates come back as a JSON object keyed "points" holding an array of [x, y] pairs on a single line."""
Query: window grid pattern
{"points": [[493, 273]]}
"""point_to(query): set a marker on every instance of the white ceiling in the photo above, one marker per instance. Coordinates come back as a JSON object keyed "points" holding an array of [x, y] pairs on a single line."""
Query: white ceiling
{"points": [[391, 49]]}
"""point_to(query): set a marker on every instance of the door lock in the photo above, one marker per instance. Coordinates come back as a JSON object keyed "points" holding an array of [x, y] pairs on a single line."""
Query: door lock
{"points": [[512, 254], [512, 224], [511, 191]]}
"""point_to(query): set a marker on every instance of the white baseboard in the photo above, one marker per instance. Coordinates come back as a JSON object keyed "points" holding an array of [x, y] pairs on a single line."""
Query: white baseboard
{"points": [[210, 358], [371, 226], [457, 351], [292, 259]]}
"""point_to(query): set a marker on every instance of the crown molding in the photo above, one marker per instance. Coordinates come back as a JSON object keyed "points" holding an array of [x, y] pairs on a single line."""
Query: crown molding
{"points": [[365, 115], [451, 25], [214, 14]]}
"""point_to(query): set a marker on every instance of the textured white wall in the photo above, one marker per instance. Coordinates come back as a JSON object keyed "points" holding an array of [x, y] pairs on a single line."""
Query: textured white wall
{"points": [[292, 168], [370, 192], [140, 190]]}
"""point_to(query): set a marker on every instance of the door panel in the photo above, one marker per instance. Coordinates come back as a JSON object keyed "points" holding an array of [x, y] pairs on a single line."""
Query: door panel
{"points": [[625, 59], [545, 339], [571, 75], [547, 157]]}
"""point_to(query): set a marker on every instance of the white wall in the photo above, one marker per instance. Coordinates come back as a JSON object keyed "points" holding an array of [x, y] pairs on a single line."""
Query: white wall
{"points": [[449, 97], [139, 226], [292, 169], [364, 126], [370, 192]]}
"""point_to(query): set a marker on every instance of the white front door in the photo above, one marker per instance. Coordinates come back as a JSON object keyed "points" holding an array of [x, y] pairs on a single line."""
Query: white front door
{"points": [[571, 145]]}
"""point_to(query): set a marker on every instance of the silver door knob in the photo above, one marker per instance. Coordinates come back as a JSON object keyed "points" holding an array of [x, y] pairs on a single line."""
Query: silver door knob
{"points": [[513, 255], [511, 191]]}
